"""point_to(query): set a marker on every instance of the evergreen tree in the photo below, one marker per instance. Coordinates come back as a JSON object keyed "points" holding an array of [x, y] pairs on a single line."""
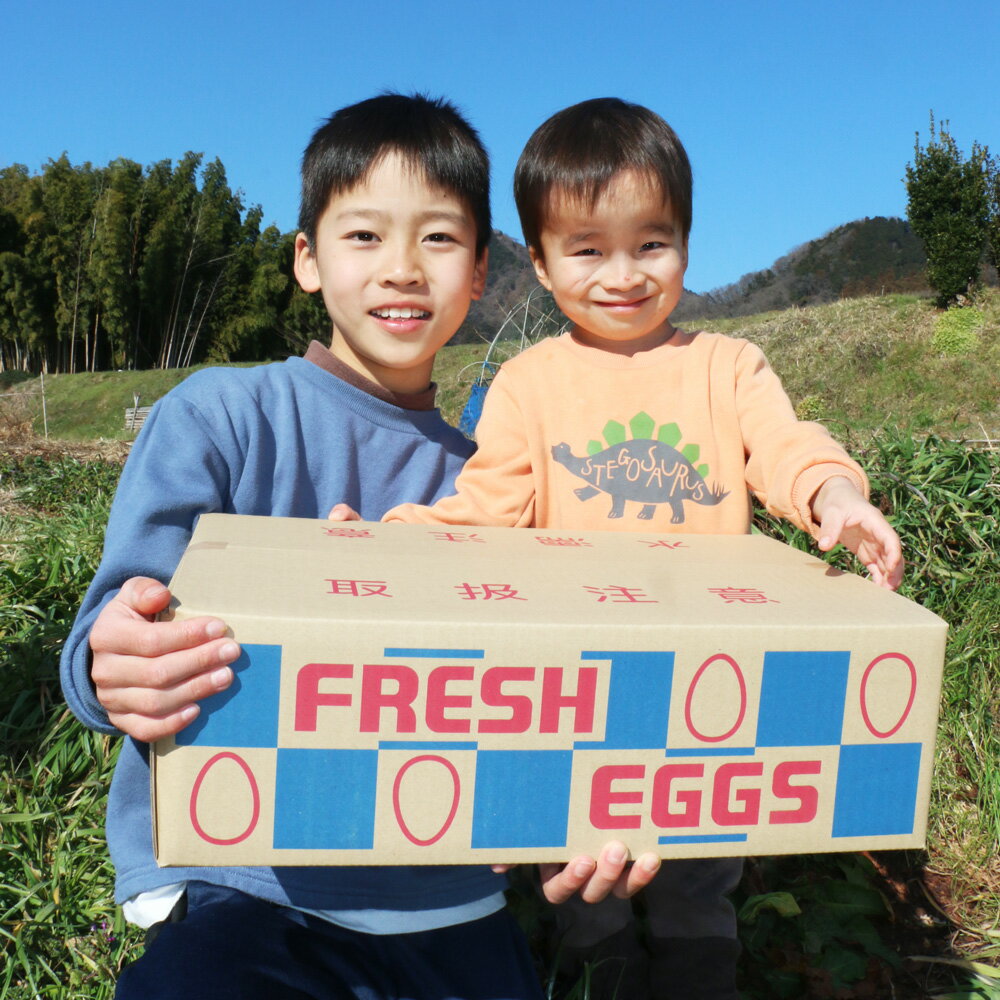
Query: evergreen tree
{"points": [[948, 209], [132, 267], [256, 295], [24, 321], [113, 259], [23, 327], [993, 190]]}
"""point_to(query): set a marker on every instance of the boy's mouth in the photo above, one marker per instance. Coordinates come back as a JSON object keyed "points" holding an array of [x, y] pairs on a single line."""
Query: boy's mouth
{"points": [[400, 312], [622, 307]]}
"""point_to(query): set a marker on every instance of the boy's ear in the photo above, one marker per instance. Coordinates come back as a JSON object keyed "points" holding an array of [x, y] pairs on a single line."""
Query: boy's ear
{"points": [[538, 262], [305, 269], [479, 274]]}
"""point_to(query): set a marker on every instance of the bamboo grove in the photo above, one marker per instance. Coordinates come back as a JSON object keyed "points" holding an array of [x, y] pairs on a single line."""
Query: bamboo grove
{"points": [[129, 267]]}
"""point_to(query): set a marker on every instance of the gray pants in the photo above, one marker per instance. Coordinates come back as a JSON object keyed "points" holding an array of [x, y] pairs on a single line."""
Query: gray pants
{"points": [[692, 948], [688, 898]]}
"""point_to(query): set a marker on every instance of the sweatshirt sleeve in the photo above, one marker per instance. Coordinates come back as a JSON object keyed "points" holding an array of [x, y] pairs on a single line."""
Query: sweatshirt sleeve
{"points": [[788, 459], [173, 474], [496, 486]]}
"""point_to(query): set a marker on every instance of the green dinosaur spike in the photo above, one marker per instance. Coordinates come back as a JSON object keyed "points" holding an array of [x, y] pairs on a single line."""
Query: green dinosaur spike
{"points": [[642, 425], [702, 470], [593, 447], [691, 452], [614, 432], [669, 434]]}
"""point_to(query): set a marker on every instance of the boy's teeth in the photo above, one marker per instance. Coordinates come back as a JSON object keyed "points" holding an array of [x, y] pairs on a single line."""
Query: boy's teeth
{"points": [[403, 313]]}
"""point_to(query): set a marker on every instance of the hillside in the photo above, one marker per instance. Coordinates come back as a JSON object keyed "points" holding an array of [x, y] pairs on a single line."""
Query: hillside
{"points": [[869, 256], [509, 280], [855, 363], [866, 257]]}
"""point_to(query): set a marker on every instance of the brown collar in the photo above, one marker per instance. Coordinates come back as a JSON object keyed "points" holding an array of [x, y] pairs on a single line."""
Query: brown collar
{"points": [[322, 356]]}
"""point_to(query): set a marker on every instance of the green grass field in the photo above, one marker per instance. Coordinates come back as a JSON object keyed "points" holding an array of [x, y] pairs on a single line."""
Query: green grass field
{"points": [[858, 363], [900, 924]]}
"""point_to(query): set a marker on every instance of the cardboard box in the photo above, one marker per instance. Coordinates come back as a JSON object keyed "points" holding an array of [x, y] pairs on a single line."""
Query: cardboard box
{"points": [[408, 694]]}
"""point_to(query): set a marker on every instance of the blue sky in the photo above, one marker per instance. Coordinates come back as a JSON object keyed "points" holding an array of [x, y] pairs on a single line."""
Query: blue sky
{"points": [[797, 116]]}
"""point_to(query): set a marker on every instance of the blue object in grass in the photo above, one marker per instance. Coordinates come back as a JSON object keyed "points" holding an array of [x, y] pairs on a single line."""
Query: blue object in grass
{"points": [[477, 396], [473, 409]]}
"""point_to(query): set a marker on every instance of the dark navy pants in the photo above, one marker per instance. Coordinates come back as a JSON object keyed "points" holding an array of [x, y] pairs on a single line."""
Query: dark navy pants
{"points": [[231, 946]]}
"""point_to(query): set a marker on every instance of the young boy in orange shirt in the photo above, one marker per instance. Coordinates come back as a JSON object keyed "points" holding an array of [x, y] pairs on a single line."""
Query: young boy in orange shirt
{"points": [[603, 189]]}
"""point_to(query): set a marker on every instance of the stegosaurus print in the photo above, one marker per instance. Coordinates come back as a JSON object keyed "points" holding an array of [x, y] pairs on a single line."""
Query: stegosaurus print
{"points": [[645, 469]]}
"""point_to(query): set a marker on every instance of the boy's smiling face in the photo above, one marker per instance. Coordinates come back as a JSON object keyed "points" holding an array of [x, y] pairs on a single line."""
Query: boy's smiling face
{"points": [[616, 270], [395, 259]]}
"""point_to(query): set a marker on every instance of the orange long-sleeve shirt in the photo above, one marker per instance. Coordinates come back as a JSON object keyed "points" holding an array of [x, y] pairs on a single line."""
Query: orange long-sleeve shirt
{"points": [[671, 439]]}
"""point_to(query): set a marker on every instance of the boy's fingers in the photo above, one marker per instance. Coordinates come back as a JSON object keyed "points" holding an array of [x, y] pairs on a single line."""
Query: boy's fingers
{"points": [[153, 707], [638, 875], [204, 669], [143, 595], [895, 575], [887, 570], [150, 730], [149, 714], [830, 530], [880, 550], [118, 631], [560, 882], [342, 512], [610, 866]]}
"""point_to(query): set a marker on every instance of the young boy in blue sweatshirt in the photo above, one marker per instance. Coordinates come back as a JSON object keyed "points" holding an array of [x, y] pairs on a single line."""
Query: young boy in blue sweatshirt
{"points": [[395, 221]]}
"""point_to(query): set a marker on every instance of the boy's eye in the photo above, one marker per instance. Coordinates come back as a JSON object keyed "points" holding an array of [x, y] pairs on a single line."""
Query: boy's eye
{"points": [[440, 238], [586, 252], [363, 236], [653, 245]]}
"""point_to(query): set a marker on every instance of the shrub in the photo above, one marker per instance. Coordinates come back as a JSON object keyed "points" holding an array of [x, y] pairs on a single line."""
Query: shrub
{"points": [[957, 332], [810, 408], [948, 207]]}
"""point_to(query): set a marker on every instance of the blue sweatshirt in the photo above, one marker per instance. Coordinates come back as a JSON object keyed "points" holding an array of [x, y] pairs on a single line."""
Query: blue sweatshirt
{"points": [[288, 440]]}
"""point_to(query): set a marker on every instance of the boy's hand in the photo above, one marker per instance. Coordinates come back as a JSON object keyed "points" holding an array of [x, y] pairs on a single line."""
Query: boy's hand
{"points": [[594, 880], [610, 874], [341, 512], [149, 675], [845, 516]]}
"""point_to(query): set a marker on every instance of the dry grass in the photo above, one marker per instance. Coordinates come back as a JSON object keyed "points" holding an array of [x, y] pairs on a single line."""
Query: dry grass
{"points": [[869, 362]]}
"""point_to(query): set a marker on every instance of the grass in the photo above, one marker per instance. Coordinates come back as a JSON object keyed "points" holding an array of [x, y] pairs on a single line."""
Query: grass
{"points": [[88, 405], [944, 499], [60, 933], [813, 923], [871, 361], [859, 363], [824, 926]]}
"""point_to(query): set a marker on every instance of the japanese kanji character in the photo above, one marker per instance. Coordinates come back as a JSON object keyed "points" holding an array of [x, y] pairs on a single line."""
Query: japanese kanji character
{"points": [[359, 588]]}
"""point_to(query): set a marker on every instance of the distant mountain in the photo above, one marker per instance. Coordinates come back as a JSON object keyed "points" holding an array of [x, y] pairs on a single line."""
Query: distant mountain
{"points": [[866, 257], [511, 277]]}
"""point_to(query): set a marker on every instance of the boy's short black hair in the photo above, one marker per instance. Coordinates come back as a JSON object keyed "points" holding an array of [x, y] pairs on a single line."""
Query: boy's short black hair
{"points": [[427, 133], [579, 149]]}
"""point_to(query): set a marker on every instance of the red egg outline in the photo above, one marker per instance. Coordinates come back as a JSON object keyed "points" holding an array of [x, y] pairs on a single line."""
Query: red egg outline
{"points": [[690, 695], [863, 699], [196, 788], [456, 783]]}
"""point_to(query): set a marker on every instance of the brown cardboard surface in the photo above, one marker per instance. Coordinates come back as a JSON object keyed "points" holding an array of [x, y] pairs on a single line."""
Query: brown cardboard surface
{"points": [[422, 695]]}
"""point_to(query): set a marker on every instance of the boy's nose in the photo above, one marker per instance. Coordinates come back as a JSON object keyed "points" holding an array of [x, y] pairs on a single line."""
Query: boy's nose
{"points": [[401, 268], [622, 274]]}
